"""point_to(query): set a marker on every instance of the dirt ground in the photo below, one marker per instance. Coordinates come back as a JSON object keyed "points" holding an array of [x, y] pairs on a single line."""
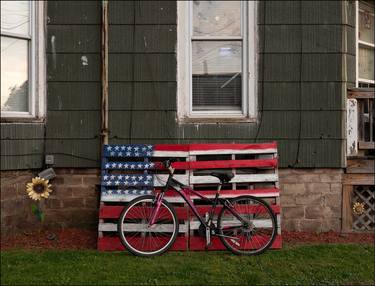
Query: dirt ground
{"points": [[86, 239]]}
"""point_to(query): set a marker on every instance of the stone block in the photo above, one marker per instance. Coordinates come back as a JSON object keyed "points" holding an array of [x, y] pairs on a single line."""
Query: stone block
{"points": [[91, 180], [336, 188], [84, 191], [91, 202], [331, 178], [318, 188], [309, 199], [73, 203], [311, 225], [293, 212], [293, 189], [332, 199], [290, 224], [331, 225], [287, 200]]}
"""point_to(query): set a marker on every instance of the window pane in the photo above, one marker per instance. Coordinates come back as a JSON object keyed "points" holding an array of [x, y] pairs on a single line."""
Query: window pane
{"points": [[366, 63], [217, 75], [216, 18], [14, 74], [366, 23], [15, 17]]}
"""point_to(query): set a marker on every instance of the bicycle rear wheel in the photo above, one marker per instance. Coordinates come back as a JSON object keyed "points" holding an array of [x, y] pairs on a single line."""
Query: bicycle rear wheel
{"points": [[253, 236], [138, 237]]}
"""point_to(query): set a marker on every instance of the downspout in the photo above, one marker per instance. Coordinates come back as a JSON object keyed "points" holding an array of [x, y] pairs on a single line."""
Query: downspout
{"points": [[104, 74]]}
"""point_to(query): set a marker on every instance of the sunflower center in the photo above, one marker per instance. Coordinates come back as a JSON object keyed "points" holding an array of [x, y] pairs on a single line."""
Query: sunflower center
{"points": [[39, 188]]}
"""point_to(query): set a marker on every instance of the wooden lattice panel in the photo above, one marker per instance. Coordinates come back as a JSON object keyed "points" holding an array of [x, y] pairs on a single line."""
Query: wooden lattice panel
{"points": [[364, 195]]}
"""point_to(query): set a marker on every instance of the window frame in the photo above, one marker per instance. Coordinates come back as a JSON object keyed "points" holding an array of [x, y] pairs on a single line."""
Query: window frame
{"points": [[184, 66], [359, 42], [36, 65]]}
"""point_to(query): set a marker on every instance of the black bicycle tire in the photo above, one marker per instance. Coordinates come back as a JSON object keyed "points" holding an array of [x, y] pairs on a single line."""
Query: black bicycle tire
{"points": [[130, 204], [238, 252]]}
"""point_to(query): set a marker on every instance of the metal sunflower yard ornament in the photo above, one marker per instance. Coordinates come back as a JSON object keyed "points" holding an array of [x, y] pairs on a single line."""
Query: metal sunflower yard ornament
{"points": [[38, 190], [358, 208]]}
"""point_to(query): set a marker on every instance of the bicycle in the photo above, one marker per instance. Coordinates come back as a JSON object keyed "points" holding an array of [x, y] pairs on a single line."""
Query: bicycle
{"points": [[148, 225]]}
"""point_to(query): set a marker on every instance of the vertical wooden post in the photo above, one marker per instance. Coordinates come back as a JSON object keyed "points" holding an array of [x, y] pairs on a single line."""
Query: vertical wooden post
{"points": [[104, 73], [347, 218]]}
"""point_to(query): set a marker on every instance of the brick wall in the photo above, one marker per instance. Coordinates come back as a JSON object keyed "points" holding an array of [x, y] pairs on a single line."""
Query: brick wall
{"points": [[310, 200], [73, 202]]}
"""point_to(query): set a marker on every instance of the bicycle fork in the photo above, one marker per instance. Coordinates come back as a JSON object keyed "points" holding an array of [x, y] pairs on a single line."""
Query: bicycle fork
{"points": [[155, 210]]}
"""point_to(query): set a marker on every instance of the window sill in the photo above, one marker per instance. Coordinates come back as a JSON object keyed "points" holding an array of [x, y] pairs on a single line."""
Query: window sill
{"points": [[22, 120], [217, 120]]}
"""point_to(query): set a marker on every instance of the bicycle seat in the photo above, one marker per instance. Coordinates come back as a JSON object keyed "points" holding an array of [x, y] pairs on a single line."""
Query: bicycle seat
{"points": [[223, 176]]}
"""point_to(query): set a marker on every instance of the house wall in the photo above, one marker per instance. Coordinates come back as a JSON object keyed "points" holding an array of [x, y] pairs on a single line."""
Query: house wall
{"points": [[310, 200], [307, 49]]}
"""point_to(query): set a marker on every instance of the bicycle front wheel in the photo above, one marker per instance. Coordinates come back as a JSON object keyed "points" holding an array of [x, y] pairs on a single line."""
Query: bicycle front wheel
{"points": [[136, 234], [254, 233]]}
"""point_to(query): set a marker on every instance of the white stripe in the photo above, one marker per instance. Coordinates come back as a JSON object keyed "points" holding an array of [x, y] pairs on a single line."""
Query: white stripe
{"points": [[233, 151], [170, 154], [139, 227], [253, 178], [178, 199]]}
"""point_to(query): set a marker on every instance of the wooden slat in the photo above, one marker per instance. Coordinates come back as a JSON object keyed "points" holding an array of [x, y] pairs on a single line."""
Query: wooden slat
{"points": [[225, 164], [361, 94], [156, 181], [113, 212], [347, 219], [112, 227], [359, 179], [262, 193], [253, 178], [366, 145], [360, 166]]}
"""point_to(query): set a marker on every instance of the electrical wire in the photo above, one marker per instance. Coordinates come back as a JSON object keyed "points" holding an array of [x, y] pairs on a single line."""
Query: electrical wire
{"points": [[263, 73], [133, 77], [296, 161]]}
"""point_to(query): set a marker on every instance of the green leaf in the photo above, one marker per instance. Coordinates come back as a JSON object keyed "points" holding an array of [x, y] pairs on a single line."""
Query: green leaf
{"points": [[34, 209], [41, 216]]}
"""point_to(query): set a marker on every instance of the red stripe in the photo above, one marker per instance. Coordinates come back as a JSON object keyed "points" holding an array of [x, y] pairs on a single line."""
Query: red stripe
{"points": [[113, 212], [199, 243], [113, 243], [204, 209], [203, 147], [224, 164], [213, 146], [171, 147], [172, 193]]}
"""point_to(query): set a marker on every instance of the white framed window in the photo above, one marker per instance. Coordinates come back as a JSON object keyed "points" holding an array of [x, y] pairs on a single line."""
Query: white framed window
{"points": [[365, 44], [216, 60], [22, 59]]}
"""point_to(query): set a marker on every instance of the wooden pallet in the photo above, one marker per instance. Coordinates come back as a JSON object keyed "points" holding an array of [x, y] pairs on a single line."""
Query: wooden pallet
{"points": [[129, 171]]}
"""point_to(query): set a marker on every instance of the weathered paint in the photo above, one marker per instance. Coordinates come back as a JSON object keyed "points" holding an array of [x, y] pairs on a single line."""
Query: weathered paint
{"points": [[309, 61]]}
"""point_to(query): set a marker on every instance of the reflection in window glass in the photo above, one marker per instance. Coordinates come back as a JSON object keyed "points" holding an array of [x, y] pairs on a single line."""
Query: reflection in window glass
{"points": [[15, 17], [366, 63], [216, 18], [217, 75], [366, 23], [14, 74]]}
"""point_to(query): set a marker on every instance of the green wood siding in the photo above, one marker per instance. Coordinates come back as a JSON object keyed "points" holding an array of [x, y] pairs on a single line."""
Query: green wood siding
{"points": [[73, 83], [307, 49], [21, 145]]}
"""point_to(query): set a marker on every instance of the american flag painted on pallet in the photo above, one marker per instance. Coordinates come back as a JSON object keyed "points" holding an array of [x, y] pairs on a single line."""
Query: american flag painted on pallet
{"points": [[129, 171]]}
